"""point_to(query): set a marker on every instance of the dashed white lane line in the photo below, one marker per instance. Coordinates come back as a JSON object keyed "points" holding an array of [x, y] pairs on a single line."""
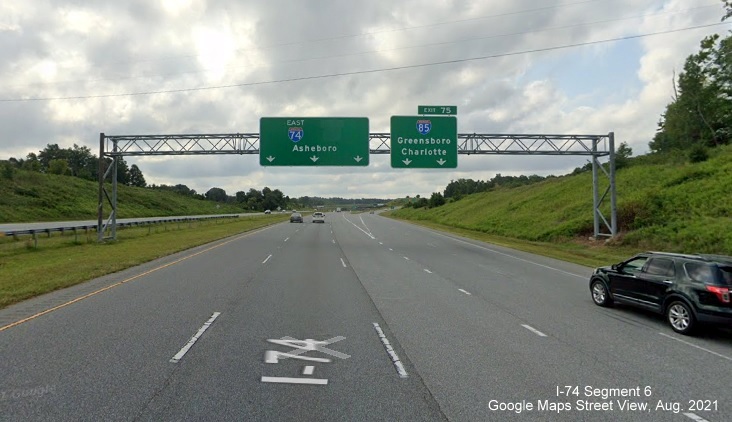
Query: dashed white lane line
{"points": [[194, 339], [267, 259], [465, 291], [286, 239], [390, 351], [406, 258], [381, 243], [698, 347], [695, 417], [427, 271], [343, 262], [332, 240], [287, 380], [533, 330], [391, 249], [511, 256]]}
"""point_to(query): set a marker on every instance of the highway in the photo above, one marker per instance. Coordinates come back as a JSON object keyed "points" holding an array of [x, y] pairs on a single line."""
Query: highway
{"points": [[361, 318]]}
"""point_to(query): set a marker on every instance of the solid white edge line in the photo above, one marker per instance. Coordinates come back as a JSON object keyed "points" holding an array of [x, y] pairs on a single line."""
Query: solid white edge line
{"points": [[511, 256], [695, 417], [533, 330], [194, 339], [465, 291], [267, 259], [344, 263], [698, 347], [390, 351]]}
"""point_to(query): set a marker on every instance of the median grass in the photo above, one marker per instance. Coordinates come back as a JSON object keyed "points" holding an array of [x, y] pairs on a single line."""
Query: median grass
{"points": [[62, 261]]}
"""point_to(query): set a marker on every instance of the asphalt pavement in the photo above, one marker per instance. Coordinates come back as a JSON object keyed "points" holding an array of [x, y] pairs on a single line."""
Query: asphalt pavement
{"points": [[359, 318]]}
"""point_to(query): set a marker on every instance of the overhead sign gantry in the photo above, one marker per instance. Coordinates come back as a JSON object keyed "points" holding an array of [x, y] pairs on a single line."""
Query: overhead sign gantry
{"points": [[347, 142]]}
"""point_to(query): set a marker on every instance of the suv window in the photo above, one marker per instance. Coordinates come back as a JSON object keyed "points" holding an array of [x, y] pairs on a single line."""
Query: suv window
{"points": [[726, 275], [661, 266], [699, 272], [634, 265]]}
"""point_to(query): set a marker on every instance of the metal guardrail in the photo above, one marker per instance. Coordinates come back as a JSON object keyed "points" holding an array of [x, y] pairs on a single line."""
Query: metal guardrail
{"points": [[47, 228]]}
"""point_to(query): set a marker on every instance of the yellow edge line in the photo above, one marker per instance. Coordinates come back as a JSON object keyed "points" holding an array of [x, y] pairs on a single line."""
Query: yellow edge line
{"points": [[63, 305]]}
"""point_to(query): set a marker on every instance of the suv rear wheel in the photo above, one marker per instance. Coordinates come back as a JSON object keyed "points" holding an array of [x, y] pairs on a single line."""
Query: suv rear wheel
{"points": [[680, 317], [599, 294]]}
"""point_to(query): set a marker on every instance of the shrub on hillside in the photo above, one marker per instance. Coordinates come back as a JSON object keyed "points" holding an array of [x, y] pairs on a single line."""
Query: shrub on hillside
{"points": [[7, 171], [698, 153]]}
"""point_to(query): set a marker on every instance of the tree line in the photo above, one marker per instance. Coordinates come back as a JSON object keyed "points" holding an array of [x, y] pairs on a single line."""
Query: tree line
{"points": [[457, 189], [77, 161], [699, 115]]}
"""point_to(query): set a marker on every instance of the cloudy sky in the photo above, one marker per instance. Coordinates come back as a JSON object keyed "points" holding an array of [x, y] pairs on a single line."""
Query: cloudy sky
{"points": [[218, 66]]}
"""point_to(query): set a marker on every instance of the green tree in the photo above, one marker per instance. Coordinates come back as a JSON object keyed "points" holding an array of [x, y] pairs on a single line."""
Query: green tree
{"points": [[216, 194], [622, 155], [136, 177], [51, 152], [436, 200], [82, 162], [701, 111], [31, 163], [58, 166], [7, 170]]}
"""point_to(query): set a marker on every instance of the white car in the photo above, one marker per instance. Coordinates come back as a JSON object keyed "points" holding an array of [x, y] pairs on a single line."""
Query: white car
{"points": [[318, 217]]}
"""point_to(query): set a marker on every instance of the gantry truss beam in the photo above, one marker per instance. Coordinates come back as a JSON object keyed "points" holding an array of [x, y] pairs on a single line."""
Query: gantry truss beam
{"points": [[595, 146], [379, 143]]}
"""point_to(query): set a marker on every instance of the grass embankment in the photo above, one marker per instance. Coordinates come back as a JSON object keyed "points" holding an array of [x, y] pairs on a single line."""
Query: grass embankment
{"points": [[61, 261], [32, 196], [670, 207]]}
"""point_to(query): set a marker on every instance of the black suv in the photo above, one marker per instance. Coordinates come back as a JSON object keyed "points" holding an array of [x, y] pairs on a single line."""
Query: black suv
{"points": [[685, 288]]}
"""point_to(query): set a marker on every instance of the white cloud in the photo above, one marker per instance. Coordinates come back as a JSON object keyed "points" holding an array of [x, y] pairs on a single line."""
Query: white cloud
{"points": [[51, 49]]}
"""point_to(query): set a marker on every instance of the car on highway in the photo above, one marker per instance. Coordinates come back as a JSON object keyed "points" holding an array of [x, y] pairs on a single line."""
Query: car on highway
{"points": [[295, 217], [686, 289], [267, 211], [318, 217]]}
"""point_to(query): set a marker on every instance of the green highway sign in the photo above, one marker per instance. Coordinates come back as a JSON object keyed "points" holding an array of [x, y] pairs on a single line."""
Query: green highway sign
{"points": [[314, 141], [450, 110], [424, 142]]}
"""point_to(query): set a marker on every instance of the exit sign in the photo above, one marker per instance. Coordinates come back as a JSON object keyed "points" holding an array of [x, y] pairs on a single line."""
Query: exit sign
{"points": [[448, 110]]}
